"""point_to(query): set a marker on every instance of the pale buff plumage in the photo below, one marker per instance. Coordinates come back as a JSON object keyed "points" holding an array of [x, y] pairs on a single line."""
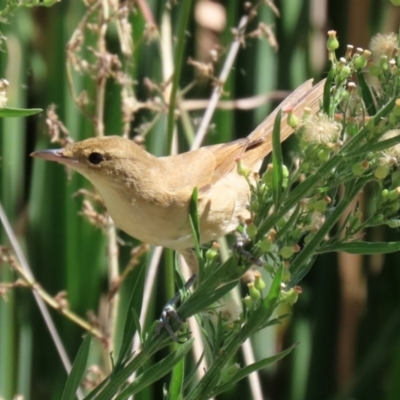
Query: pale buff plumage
{"points": [[148, 197]]}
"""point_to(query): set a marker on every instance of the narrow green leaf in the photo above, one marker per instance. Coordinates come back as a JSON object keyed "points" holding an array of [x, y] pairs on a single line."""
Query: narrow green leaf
{"points": [[157, 371], [195, 225], [195, 304], [209, 385], [194, 218], [192, 373], [98, 389], [176, 384], [275, 289], [39, 3], [18, 112], [379, 146], [289, 223], [78, 370], [275, 321], [178, 62], [326, 105], [277, 160], [244, 372], [131, 320], [113, 383], [366, 94], [363, 248]]}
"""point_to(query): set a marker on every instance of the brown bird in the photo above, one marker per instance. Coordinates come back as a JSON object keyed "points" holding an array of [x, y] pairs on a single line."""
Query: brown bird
{"points": [[148, 197]]}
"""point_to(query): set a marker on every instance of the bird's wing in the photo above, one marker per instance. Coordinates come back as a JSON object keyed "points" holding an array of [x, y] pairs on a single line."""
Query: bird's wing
{"points": [[206, 166], [254, 148]]}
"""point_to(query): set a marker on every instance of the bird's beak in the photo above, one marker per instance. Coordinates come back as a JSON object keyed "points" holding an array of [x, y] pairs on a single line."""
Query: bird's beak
{"points": [[54, 155]]}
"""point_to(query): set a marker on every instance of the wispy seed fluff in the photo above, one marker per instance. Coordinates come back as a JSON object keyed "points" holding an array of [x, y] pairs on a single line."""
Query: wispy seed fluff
{"points": [[3, 92], [393, 151], [383, 45], [230, 312], [319, 129]]}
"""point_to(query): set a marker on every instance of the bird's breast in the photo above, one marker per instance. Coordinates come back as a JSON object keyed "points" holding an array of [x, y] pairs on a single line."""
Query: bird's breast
{"points": [[165, 221]]}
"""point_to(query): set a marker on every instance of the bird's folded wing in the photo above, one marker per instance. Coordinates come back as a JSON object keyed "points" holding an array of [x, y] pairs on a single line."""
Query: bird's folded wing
{"points": [[253, 149]]}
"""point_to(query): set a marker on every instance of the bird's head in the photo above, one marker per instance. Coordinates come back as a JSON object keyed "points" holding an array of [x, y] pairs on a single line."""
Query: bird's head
{"points": [[99, 158]]}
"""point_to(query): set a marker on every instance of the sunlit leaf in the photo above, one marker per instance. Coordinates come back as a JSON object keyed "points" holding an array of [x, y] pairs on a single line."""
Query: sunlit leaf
{"points": [[18, 112]]}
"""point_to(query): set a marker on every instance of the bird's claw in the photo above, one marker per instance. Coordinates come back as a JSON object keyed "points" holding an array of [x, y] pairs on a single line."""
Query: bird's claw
{"points": [[239, 247], [167, 313], [170, 312]]}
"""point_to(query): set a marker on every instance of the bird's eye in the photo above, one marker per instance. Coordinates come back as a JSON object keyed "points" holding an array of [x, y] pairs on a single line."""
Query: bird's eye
{"points": [[95, 158]]}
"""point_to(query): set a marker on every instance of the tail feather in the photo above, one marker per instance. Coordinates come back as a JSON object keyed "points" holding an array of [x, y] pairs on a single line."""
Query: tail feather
{"points": [[305, 95]]}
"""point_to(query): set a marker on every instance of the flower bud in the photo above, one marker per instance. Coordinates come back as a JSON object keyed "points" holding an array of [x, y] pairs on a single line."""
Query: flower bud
{"points": [[361, 61], [242, 169], [394, 194], [383, 63], [349, 51], [265, 245], [259, 284], [212, 252], [394, 223], [286, 275], [253, 292], [269, 268], [396, 178], [267, 175], [360, 168], [255, 205], [290, 297], [262, 189], [381, 172], [332, 43], [304, 167], [393, 118], [320, 205], [229, 372], [324, 154], [306, 113], [374, 70], [345, 72], [248, 302], [351, 127], [286, 251], [292, 120], [396, 109], [251, 230]]}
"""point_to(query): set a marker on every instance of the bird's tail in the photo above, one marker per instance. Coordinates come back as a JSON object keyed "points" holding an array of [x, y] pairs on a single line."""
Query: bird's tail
{"points": [[306, 95]]}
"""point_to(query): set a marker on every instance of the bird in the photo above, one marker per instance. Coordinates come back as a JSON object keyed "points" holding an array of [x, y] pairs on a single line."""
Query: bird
{"points": [[148, 197]]}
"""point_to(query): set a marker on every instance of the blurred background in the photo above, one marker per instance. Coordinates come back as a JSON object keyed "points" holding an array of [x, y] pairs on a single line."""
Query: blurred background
{"points": [[348, 318]]}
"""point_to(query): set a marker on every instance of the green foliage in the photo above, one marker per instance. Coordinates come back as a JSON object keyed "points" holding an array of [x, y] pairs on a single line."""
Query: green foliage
{"points": [[118, 69], [18, 112], [78, 371]]}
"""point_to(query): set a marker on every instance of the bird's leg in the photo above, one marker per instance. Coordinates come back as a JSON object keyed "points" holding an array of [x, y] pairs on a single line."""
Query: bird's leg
{"points": [[239, 247], [170, 312]]}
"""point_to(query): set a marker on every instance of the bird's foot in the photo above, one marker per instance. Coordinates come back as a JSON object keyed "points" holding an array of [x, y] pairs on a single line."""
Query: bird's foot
{"points": [[239, 247], [170, 312], [167, 313]]}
